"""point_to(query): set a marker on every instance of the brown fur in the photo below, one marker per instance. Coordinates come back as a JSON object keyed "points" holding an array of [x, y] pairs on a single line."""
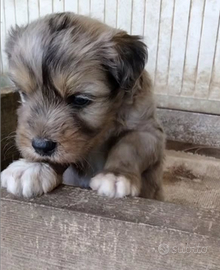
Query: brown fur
{"points": [[64, 54]]}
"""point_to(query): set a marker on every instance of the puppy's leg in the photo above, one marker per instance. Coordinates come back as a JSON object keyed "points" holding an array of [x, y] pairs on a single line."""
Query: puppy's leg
{"points": [[152, 182], [133, 159], [24, 178]]}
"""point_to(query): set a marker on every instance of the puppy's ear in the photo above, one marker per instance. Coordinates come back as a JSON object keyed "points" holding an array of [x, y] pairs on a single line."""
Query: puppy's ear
{"points": [[127, 60], [13, 35]]}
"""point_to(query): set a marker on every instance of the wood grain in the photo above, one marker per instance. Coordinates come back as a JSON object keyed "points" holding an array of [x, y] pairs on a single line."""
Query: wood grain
{"points": [[208, 48], [190, 127], [33, 10], [111, 17], [76, 229], [192, 47], [178, 46], [98, 9]]}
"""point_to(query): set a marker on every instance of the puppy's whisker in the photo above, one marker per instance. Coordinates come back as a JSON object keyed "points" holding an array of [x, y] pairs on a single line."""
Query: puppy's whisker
{"points": [[10, 144], [13, 132], [10, 136], [8, 149]]}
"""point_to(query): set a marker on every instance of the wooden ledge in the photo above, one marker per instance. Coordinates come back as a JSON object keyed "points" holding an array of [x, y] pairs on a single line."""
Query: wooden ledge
{"points": [[71, 228]]}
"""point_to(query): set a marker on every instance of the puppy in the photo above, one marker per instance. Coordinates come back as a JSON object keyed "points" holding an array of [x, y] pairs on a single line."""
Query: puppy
{"points": [[87, 109]]}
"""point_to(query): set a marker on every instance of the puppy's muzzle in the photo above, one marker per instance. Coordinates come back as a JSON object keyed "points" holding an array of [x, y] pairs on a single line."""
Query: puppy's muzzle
{"points": [[43, 147]]}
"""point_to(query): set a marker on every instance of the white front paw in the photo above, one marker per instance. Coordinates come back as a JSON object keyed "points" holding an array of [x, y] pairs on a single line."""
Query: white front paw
{"points": [[29, 179], [113, 186]]}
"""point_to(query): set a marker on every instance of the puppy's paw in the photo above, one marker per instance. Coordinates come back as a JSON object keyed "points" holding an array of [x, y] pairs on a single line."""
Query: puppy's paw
{"points": [[114, 186], [29, 179]]}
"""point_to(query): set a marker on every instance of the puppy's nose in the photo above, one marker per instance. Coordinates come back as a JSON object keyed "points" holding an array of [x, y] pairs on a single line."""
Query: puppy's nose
{"points": [[43, 147]]}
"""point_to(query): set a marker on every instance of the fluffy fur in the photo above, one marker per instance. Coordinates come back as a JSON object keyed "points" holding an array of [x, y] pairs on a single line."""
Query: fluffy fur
{"points": [[114, 143]]}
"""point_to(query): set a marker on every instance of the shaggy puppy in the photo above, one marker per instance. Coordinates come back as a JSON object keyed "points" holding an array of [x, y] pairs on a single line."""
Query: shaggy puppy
{"points": [[87, 106]]}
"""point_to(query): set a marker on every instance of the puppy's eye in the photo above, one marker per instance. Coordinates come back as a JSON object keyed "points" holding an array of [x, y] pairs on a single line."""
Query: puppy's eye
{"points": [[78, 101]]}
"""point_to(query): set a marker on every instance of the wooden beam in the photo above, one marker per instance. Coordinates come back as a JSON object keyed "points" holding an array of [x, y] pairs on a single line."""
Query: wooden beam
{"points": [[9, 103], [72, 228], [191, 127]]}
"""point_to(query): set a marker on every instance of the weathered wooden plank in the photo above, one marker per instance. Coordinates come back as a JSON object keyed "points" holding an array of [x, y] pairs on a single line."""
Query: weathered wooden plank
{"points": [[71, 6], [191, 127], [21, 13], [111, 17], [45, 7], [84, 7], [214, 88], [124, 15], [192, 47], [137, 19], [151, 33], [207, 48], [4, 65], [188, 104], [58, 5], [76, 229], [8, 19], [98, 9], [163, 55], [178, 46], [33, 10], [10, 14]]}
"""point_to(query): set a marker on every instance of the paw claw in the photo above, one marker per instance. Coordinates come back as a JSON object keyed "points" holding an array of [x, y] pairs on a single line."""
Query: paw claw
{"points": [[113, 186], [29, 179]]}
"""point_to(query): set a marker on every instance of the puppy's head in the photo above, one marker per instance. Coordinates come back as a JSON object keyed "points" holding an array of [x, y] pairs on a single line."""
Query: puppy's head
{"points": [[73, 74]]}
